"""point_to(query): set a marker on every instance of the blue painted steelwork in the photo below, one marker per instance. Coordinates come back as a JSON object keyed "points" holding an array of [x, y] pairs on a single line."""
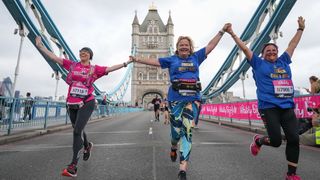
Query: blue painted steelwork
{"points": [[247, 33], [22, 18], [275, 22]]}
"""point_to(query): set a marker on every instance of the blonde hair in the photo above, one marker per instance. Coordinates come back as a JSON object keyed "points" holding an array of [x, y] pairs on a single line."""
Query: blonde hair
{"points": [[190, 42]]}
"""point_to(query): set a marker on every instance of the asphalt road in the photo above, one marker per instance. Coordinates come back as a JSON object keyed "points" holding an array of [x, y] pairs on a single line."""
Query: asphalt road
{"points": [[134, 147]]}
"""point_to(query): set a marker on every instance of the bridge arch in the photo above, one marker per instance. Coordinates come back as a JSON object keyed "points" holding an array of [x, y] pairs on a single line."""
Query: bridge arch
{"points": [[148, 95]]}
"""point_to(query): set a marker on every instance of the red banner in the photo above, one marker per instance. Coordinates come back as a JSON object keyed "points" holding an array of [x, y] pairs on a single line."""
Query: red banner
{"points": [[249, 109]]}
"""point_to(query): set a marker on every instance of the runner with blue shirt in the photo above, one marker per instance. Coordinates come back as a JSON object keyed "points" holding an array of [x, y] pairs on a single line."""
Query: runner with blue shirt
{"points": [[273, 78], [184, 92]]}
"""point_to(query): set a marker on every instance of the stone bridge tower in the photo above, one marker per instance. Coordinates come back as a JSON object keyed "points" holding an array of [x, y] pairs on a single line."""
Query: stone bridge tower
{"points": [[150, 39]]}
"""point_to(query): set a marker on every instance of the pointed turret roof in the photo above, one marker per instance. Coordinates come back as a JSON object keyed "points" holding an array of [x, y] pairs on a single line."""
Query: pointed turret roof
{"points": [[169, 19], [135, 20], [152, 15]]}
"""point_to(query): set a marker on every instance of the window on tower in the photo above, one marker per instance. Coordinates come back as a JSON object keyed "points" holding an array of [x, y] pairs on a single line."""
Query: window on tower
{"points": [[152, 76]]}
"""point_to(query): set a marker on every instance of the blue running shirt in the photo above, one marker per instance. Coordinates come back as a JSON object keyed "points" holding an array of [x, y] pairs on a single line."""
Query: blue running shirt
{"points": [[273, 81], [183, 68]]}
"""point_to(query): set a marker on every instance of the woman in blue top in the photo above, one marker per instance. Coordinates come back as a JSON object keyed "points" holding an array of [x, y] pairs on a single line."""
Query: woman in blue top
{"points": [[184, 92], [272, 75]]}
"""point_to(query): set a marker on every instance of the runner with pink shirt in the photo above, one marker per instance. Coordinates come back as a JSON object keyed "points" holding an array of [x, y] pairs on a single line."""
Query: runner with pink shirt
{"points": [[80, 100]]}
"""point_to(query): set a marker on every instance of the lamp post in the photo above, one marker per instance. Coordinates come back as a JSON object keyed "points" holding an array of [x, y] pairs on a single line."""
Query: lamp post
{"points": [[57, 77], [22, 34], [243, 76]]}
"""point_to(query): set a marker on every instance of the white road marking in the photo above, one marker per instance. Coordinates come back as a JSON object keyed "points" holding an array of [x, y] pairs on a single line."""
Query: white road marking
{"points": [[110, 132], [221, 143], [150, 130], [46, 146], [154, 172], [41, 147]]}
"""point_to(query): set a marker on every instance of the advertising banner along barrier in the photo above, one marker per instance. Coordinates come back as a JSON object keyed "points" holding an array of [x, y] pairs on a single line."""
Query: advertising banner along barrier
{"points": [[249, 109]]}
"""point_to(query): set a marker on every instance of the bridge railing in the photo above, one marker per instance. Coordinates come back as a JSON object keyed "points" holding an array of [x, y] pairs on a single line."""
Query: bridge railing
{"points": [[19, 114], [246, 112]]}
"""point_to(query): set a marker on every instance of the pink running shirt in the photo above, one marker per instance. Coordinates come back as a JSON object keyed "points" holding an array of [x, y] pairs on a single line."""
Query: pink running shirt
{"points": [[81, 80]]}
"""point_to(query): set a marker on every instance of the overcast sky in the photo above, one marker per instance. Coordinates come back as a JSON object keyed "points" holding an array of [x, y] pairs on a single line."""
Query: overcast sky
{"points": [[105, 26]]}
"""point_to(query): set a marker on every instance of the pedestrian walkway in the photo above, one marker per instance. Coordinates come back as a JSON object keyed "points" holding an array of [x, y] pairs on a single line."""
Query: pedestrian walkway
{"points": [[25, 133]]}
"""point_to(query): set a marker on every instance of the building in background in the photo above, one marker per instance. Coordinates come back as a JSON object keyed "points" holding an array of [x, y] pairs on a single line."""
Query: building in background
{"points": [[6, 87], [152, 38]]}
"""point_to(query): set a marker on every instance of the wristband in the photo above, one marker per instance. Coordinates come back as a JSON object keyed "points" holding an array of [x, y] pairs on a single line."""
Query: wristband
{"points": [[124, 64], [300, 29], [221, 32]]}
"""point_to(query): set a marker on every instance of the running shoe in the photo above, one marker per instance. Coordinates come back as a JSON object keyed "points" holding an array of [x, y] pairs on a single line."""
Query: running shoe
{"points": [[173, 155], [87, 152], [182, 175], [70, 171], [254, 148], [293, 177]]}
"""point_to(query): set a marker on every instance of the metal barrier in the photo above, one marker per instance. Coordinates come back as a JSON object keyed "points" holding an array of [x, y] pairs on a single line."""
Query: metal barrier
{"points": [[17, 114]]}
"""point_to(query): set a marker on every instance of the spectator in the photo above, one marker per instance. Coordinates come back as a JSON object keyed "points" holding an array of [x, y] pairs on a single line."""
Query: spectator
{"points": [[104, 101], [104, 106], [28, 103], [312, 136], [314, 85]]}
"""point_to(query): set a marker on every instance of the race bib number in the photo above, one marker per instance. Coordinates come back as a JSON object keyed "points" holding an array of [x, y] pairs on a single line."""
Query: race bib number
{"points": [[187, 92], [79, 90], [283, 88]]}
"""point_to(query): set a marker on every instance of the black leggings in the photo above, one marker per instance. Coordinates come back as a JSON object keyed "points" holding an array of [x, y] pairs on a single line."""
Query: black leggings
{"points": [[273, 119], [79, 118]]}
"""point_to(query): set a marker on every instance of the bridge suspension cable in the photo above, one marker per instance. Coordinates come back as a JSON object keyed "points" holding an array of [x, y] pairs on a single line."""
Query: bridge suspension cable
{"points": [[50, 34], [255, 36]]}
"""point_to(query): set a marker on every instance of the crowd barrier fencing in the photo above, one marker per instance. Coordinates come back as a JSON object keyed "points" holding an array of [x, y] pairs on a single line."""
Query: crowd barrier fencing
{"points": [[18, 114]]}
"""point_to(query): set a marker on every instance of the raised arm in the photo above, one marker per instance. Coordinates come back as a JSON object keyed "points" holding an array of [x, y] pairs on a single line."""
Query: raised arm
{"points": [[248, 53], [296, 38], [147, 61], [118, 66], [215, 40], [48, 53]]}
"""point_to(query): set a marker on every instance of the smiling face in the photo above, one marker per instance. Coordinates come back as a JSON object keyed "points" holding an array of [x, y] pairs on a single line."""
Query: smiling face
{"points": [[84, 55], [184, 47], [270, 52]]}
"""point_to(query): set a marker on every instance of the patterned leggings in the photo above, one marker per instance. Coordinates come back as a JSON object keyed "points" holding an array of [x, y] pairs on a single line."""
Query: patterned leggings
{"points": [[180, 119]]}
